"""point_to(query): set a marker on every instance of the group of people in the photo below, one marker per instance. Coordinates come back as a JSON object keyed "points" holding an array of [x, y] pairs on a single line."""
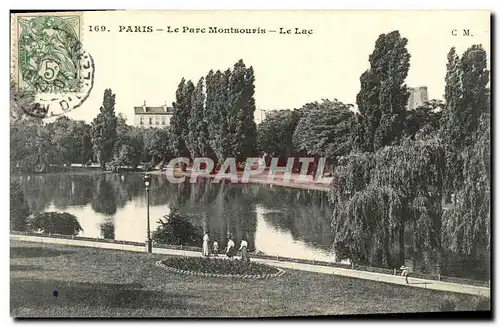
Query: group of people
{"points": [[230, 249]]}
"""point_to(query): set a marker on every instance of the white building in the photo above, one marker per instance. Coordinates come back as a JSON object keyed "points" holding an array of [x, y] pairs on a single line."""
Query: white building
{"points": [[260, 114], [418, 96], [146, 116]]}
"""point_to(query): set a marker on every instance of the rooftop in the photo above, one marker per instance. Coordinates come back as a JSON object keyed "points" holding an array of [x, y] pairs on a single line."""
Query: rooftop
{"points": [[153, 110]]}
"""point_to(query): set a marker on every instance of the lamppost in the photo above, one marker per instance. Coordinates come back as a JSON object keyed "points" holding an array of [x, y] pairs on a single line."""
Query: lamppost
{"points": [[147, 183]]}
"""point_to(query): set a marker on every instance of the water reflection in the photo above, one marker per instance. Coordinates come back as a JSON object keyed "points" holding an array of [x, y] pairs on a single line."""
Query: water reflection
{"points": [[108, 229], [103, 198], [273, 220]]}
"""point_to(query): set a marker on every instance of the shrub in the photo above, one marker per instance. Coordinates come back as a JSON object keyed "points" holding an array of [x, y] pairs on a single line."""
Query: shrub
{"points": [[219, 266], [175, 229], [55, 222]]}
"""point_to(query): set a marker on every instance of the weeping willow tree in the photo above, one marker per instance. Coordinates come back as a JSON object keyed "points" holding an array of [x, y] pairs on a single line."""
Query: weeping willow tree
{"points": [[379, 196], [467, 222], [465, 132]]}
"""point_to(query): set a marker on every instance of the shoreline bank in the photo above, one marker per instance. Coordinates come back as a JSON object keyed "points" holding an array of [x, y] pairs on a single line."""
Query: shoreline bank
{"points": [[293, 182]]}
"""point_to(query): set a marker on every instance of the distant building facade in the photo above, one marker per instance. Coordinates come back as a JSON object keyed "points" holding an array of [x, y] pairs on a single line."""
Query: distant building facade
{"points": [[418, 96], [260, 114], [158, 117]]}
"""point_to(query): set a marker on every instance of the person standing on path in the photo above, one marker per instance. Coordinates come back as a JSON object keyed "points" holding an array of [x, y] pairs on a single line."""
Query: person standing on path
{"points": [[205, 244], [230, 247], [404, 272], [244, 251], [216, 248]]}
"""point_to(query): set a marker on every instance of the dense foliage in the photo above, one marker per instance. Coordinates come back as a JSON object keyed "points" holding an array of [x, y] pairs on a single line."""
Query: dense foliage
{"points": [[180, 117], [383, 96], [388, 198], [176, 229], [218, 266], [55, 222], [43, 146], [40, 147], [424, 120], [156, 143], [230, 107], [103, 130], [325, 129], [378, 196], [198, 138], [19, 210], [275, 133]]}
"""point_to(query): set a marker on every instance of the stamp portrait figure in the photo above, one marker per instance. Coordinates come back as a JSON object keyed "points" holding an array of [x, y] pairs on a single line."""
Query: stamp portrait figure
{"points": [[49, 53]]}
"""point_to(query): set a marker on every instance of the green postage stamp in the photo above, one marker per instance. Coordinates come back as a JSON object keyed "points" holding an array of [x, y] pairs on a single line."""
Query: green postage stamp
{"points": [[48, 60], [49, 50]]}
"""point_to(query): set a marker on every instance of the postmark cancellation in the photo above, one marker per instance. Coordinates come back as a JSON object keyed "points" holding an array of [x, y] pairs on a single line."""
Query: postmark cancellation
{"points": [[49, 61]]}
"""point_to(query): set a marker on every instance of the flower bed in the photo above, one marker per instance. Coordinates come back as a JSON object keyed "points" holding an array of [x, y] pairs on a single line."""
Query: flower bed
{"points": [[214, 267]]}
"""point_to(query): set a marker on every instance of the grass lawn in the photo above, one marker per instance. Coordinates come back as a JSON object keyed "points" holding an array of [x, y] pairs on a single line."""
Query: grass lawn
{"points": [[108, 283]]}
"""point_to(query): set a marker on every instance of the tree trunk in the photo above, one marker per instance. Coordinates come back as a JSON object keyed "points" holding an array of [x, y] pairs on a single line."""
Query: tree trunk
{"points": [[103, 165]]}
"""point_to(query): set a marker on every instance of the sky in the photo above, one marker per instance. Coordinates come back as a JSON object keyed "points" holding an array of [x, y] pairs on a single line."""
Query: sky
{"points": [[290, 70]]}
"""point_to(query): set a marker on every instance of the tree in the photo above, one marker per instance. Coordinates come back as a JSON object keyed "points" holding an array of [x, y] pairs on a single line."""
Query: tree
{"points": [[247, 124], [71, 140], [122, 130], [30, 142], [275, 132], [325, 129], [211, 113], [229, 112], [129, 145], [61, 135], [218, 114], [198, 139], [383, 96], [121, 124], [465, 130], [19, 210], [466, 95], [25, 154], [82, 140], [424, 119], [156, 143], [44, 154], [103, 129], [241, 109], [467, 98], [131, 149], [378, 196], [55, 222], [176, 229], [467, 222], [179, 121], [23, 107]]}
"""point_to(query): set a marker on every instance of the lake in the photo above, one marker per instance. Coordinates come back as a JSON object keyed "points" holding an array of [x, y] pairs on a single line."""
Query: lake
{"points": [[274, 220]]}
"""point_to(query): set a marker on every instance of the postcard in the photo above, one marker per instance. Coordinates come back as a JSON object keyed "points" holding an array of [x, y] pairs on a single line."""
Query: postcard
{"points": [[250, 164]]}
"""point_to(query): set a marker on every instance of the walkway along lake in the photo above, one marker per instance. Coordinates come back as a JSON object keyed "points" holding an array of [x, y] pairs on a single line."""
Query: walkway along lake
{"points": [[274, 220]]}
